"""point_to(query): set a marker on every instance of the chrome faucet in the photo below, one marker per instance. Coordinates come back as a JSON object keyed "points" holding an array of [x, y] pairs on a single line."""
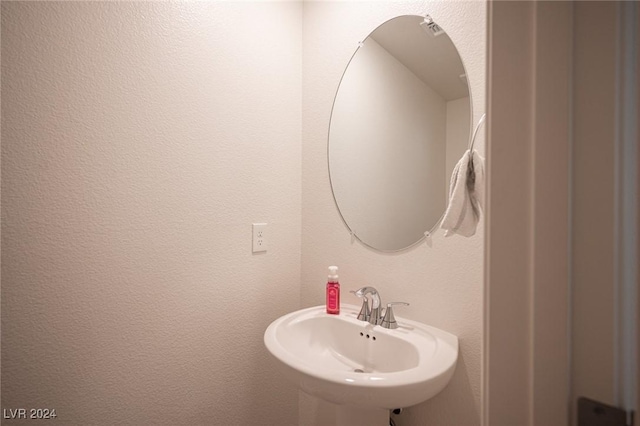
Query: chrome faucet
{"points": [[375, 316]]}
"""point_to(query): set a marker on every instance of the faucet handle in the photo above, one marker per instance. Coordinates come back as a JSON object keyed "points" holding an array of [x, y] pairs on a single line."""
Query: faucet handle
{"points": [[365, 312], [389, 320]]}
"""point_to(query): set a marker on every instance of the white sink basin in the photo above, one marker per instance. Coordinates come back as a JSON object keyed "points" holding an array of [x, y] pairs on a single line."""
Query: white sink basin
{"points": [[350, 362]]}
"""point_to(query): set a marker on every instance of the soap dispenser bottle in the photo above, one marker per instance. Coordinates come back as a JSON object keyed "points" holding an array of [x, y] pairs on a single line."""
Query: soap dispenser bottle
{"points": [[333, 292]]}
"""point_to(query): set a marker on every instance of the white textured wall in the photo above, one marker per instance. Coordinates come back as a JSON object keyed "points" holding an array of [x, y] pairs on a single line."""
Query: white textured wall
{"points": [[131, 133], [139, 142], [384, 167], [443, 282]]}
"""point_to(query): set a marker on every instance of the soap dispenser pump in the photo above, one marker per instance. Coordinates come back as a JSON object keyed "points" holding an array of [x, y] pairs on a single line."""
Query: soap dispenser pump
{"points": [[333, 291]]}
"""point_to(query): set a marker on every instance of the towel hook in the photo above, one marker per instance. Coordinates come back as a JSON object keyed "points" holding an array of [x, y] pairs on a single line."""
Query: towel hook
{"points": [[475, 132]]}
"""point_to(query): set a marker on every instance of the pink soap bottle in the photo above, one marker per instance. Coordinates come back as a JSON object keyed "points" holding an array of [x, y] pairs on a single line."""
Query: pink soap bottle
{"points": [[333, 292]]}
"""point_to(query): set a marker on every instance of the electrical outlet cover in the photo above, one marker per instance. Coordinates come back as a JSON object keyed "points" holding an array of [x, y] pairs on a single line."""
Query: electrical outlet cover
{"points": [[259, 239]]}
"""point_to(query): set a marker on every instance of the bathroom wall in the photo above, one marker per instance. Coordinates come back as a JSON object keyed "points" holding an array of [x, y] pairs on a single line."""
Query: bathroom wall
{"points": [[140, 140], [443, 280]]}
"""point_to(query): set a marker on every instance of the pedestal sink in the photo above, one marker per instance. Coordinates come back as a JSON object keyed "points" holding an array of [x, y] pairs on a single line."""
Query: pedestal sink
{"points": [[365, 369]]}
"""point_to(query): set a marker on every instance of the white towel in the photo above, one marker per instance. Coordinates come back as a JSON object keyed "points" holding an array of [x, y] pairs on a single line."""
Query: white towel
{"points": [[466, 196]]}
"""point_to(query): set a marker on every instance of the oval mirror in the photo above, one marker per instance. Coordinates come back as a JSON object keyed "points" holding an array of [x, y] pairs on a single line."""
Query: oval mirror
{"points": [[400, 123]]}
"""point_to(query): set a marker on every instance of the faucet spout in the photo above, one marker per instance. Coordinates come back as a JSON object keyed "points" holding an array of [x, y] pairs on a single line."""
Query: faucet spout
{"points": [[370, 292]]}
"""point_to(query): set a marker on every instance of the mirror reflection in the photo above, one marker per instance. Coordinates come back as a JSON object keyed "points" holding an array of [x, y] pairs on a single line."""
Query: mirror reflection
{"points": [[400, 122]]}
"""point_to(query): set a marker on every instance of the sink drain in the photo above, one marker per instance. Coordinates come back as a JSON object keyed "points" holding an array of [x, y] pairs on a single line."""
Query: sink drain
{"points": [[357, 370]]}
